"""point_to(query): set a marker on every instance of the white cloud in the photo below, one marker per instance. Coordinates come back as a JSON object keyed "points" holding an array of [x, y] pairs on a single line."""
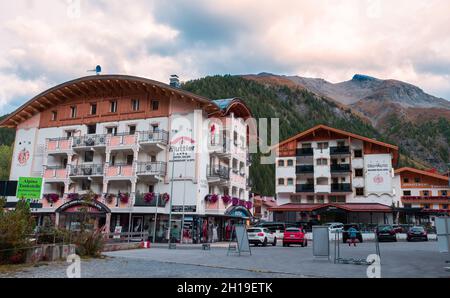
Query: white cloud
{"points": [[43, 45]]}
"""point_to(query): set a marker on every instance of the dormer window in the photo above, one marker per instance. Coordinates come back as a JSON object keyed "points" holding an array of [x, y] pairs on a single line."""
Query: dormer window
{"points": [[73, 112]]}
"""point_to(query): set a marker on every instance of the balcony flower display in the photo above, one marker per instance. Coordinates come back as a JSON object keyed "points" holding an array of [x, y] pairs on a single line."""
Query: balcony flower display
{"points": [[235, 201], [166, 197], [226, 199], [149, 197], [249, 205], [73, 196], [242, 203], [124, 198], [52, 198], [110, 198]]}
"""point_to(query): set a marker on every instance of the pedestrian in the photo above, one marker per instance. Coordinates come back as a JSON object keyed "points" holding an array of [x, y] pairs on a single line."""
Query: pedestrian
{"points": [[352, 236]]}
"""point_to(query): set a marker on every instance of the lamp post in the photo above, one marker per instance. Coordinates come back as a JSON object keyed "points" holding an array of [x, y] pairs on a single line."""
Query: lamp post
{"points": [[171, 149]]}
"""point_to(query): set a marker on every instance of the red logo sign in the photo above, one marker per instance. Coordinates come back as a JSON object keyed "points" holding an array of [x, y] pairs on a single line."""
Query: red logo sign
{"points": [[23, 157], [378, 179]]}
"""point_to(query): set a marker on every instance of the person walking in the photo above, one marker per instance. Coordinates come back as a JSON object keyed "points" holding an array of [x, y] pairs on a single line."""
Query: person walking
{"points": [[352, 236]]}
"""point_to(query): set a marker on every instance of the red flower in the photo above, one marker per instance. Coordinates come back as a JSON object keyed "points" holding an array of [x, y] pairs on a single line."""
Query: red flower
{"points": [[149, 197]]}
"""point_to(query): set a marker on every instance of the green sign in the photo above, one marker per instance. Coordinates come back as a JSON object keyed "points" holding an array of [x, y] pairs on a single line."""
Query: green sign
{"points": [[29, 188]]}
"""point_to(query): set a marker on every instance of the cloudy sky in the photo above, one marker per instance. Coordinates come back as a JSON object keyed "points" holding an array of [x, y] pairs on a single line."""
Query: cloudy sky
{"points": [[46, 42]]}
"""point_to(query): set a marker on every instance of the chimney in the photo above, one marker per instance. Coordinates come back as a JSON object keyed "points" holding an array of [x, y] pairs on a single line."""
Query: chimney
{"points": [[175, 81]]}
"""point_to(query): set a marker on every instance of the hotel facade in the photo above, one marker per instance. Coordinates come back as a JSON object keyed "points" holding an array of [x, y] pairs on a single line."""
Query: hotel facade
{"points": [[421, 195], [140, 149], [330, 175]]}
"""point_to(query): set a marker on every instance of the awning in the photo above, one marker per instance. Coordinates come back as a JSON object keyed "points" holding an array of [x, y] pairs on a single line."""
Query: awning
{"points": [[346, 207]]}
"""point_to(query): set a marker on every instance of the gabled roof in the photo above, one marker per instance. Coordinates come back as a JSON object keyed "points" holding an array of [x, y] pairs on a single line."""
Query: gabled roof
{"points": [[338, 131], [235, 105], [421, 172], [103, 84]]}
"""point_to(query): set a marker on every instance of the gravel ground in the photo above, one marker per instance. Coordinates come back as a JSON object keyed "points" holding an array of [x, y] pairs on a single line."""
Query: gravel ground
{"points": [[398, 260]]}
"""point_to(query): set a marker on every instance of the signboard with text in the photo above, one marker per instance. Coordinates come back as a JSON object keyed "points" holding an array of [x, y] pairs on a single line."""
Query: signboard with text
{"points": [[29, 188], [378, 169]]}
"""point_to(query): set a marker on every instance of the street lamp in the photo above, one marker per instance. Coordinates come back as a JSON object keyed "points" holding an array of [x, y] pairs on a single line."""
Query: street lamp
{"points": [[171, 192]]}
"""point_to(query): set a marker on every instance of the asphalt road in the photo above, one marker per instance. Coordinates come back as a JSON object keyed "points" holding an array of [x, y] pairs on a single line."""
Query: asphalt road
{"points": [[400, 259]]}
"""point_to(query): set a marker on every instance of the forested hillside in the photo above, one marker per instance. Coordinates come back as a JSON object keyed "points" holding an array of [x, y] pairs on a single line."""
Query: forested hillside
{"points": [[297, 110]]}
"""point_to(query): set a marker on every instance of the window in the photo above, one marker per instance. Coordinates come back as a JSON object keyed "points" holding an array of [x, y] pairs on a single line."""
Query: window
{"points": [[322, 146], [151, 188], [73, 112], [111, 131], [445, 206], [358, 154], [407, 193], [113, 160], [94, 109], [426, 193], [281, 181], [444, 193], [322, 162], [426, 206], [69, 133], [155, 127], [417, 180], [130, 159], [406, 180], [135, 104], [92, 129], [235, 138], [290, 181], [290, 163], [341, 143], [113, 107], [54, 116], [407, 205], [360, 191], [89, 156], [132, 129], [359, 172], [86, 185], [281, 163], [155, 105]]}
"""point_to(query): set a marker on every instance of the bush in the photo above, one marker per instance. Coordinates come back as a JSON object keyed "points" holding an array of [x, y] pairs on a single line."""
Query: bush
{"points": [[16, 226], [89, 243]]}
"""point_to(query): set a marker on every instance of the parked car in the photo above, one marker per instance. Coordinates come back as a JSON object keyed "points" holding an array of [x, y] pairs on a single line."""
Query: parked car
{"points": [[386, 233], [334, 227], [261, 236], [295, 236], [398, 229], [345, 235], [275, 227], [417, 233]]}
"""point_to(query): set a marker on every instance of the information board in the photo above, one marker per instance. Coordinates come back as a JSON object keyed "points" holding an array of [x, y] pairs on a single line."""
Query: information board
{"points": [[321, 243], [29, 188], [443, 233]]}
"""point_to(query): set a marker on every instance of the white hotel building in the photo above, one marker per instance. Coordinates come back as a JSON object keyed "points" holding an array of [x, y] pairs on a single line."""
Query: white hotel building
{"points": [[330, 175], [113, 134]]}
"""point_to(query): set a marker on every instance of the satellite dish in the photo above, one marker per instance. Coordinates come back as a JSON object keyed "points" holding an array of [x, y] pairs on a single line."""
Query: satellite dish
{"points": [[97, 70]]}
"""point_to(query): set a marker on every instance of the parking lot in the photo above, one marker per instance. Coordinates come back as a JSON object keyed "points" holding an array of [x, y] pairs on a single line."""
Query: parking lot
{"points": [[401, 259]]}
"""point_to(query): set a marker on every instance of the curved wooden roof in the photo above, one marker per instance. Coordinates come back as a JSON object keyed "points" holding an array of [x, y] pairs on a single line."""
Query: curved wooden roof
{"points": [[421, 172], [95, 84]]}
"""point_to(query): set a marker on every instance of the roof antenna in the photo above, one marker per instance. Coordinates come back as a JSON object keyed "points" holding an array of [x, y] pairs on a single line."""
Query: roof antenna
{"points": [[97, 70]]}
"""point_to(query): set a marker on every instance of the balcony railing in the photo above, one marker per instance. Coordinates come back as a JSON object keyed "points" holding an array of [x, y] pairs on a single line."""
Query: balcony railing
{"points": [[120, 170], [343, 168], [304, 188], [344, 150], [87, 170], [160, 136], [341, 187], [305, 152], [59, 144], [140, 201], [152, 168], [304, 169], [55, 172], [89, 141], [123, 139], [218, 172], [445, 199]]}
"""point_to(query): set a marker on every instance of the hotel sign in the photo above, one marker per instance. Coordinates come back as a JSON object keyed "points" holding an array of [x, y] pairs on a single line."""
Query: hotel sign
{"points": [[378, 173]]}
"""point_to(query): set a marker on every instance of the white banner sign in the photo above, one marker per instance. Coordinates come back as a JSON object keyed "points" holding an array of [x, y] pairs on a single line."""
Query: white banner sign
{"points": [[378, 169]]}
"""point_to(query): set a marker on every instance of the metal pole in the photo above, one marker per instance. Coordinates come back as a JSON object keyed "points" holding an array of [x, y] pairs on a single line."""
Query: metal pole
{"points": [[156, 218], [184, 198], [171, 197]]}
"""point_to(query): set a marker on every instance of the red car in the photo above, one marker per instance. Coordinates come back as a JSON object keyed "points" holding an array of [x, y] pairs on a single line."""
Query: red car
{"points": [[294, 236]]}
